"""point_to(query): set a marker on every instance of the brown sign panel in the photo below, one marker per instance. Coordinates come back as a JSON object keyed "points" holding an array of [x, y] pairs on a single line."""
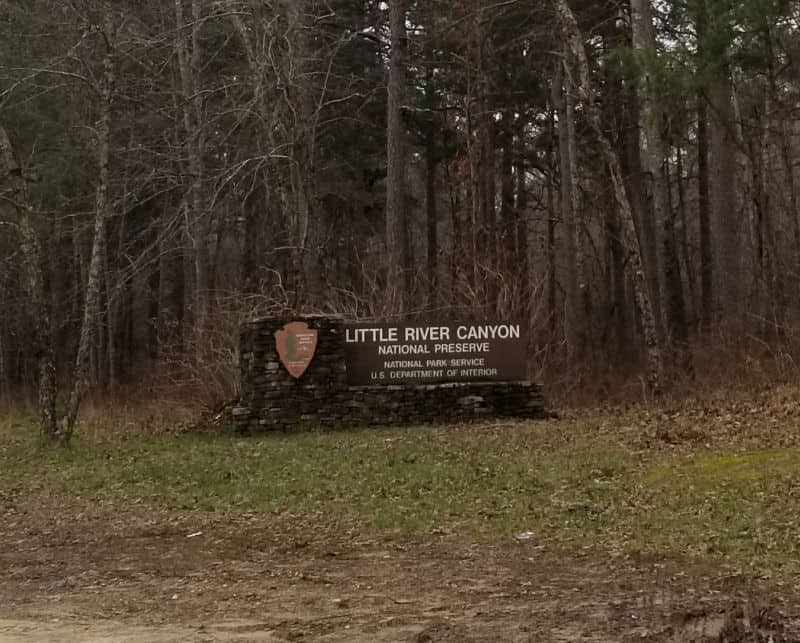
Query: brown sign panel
{"points": [[296, 343], [421, 354]]}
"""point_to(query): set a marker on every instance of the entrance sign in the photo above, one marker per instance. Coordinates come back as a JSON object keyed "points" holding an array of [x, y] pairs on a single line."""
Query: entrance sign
{"points": [[415, 353], [396, 362], [296, 343]]}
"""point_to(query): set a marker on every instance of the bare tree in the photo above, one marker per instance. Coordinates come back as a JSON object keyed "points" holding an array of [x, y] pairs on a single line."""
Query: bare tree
{"points": [[574, 42], [94, 284], [563, 101], [13, 191], [396, 160], [653, 122], [707, 270], [189, 52]]}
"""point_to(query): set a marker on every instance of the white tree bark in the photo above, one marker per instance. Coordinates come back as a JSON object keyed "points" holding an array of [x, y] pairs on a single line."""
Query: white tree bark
{"points": [[652, 118], [574, 41], [13, 183], [91, 304]]}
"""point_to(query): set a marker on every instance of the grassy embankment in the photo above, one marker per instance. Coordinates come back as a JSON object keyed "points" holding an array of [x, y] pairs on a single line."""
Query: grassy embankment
{"points": [[719, 485]]}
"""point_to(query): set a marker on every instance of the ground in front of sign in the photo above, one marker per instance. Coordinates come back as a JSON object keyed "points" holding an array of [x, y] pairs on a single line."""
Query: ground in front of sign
{"points": [[234, 585], [670, 525]]}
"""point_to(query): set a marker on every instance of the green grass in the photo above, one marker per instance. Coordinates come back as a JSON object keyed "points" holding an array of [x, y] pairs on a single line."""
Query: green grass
{"points": [[562, 481]]}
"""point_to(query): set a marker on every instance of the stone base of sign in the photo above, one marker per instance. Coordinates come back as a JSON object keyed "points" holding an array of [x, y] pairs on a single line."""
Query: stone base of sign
{"points": [[271, 399]]}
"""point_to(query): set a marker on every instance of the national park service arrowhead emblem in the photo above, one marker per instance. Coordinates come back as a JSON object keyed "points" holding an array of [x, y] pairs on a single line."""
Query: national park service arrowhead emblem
{"points": [[296, 343]]}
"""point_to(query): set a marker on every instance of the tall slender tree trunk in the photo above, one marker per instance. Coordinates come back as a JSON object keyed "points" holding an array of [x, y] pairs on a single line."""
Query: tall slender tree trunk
{"points": [[552, 214], [707, 270], [113, 291], [687, 255], [621, 317], [652, 122], [563, 103], [521, 218], [673, 283], [473, 198], [488, 193], [431, 217], [303, 122], [109, 286], [726, 218], [453, 191], [794, 199], [631, 164], [188, 55], [574, 40], [396, 160], [781, 139], [34, 274], [431, 211], [752, 138], [93, 287], [760, 144], [507, 242]]}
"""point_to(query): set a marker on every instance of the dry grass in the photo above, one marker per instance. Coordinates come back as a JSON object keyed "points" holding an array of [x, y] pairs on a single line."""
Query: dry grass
{"points": [[727, 364]]}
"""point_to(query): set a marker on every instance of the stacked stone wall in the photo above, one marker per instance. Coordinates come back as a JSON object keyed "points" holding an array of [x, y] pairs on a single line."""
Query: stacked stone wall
{"points": [[271, 399]]}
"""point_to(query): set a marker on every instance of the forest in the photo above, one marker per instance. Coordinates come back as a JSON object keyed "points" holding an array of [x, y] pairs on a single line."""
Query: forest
{"points": [[621, 176]]}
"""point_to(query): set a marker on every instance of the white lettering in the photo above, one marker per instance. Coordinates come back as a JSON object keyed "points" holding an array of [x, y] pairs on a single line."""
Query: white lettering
{"points": [[427, 333], [403, 349], [478, 372], [466, 347], [496, 331], [383, 335]]}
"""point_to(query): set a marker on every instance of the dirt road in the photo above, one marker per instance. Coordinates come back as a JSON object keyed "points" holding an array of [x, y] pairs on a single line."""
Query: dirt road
{"points": [[96, 574]]}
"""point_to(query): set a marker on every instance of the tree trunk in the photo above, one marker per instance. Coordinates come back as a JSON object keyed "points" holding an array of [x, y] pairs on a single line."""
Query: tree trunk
{"points": [[687, 255], [92, 299], [630, 156], [113, 290], [552, 283], [632, 164], [488, 192], [652, 121], [563, 104], [453, 192], [703, 182], [794, 200], [188, 55], [781, 139], [396, 160], [673, 283], [109, 287], [303, 119], [726, 214], [431, 214], [574, 40], [521, 220], [620, 315], [507, 242], [38, 308], [704, 215]]}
